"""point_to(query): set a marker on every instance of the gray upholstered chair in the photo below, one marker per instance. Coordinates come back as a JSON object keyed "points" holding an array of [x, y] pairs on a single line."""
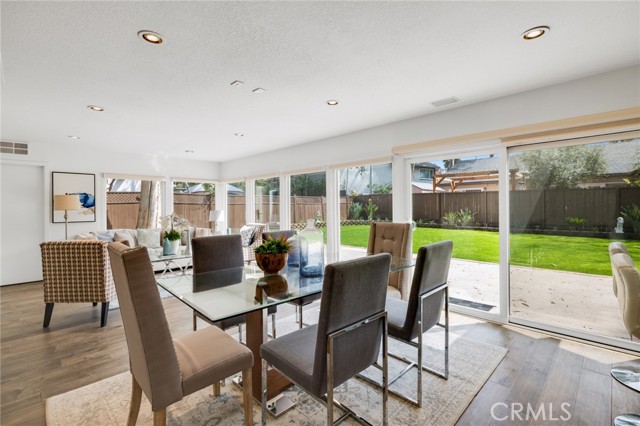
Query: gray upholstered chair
{"points": [[76, 271], [164, 369], [346, 339], [221, 252], [304, 301], [395, 239], [409, 319]]}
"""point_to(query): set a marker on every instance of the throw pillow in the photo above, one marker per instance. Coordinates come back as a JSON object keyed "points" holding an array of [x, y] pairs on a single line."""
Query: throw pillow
{"points": [[105, 235], [246, 233], [202, 232], [121, 237], [148, 237], [85, 237]]}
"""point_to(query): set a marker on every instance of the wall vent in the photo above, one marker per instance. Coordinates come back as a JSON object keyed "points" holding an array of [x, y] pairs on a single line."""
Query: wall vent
{"points": [[14, 148], [445, 101]]}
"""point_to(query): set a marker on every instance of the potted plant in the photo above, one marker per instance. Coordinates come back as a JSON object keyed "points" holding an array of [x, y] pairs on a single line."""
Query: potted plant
{"points": [[171, 242], [271, 255]]}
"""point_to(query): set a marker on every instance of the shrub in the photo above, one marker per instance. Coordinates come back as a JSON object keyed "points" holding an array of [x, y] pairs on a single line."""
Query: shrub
{"points": [[450, 218], [465, 217], [632, 214], [355, 210], [576, 222], [370, 208]]}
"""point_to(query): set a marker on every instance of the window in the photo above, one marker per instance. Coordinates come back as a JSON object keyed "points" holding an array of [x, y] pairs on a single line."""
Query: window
{"points": [[425, 174], [193, 201], [133, 203], [236, 206], [268, 202]]}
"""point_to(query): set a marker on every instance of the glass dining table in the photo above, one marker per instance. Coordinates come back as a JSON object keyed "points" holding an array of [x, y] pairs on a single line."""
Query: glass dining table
{"points": [[222, 294]]}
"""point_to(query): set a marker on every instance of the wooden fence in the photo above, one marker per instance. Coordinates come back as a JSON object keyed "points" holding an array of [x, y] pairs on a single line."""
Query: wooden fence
{"points": [[533, 208]]}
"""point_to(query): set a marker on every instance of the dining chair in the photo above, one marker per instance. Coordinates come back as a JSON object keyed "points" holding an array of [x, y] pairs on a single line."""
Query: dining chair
{"points": [[410, 319], [395, 239], [346, 340], [215, 253], [162, 368], [303, 301]]}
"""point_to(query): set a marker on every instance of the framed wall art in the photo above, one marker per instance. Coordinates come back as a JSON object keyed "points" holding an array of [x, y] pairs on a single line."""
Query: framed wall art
{"points": [[81, 184]]}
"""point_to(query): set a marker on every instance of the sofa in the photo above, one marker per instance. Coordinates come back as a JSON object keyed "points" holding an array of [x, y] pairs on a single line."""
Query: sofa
{"points": [[150, 238]]}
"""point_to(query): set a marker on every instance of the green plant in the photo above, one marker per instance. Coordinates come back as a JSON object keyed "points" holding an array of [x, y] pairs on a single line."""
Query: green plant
{"points": [[632, 214], [465, 216], [576, 222], [355, 210], [370, 208], [450, 218], [172, 234], [272, 245]]}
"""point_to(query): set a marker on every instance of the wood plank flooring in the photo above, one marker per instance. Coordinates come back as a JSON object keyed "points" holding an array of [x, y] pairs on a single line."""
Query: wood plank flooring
{"points": [[538, 370]]}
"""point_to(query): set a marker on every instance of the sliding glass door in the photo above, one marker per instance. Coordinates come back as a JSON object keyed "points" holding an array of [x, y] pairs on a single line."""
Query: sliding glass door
{"points": [[456, 198], [567, 203]]}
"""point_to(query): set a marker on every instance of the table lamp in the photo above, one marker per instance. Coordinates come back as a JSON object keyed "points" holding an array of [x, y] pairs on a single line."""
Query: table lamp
{"points": [[66, 202], [214, 217]]}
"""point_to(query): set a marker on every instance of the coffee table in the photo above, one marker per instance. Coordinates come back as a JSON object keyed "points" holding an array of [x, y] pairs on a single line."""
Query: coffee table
{"points": [[170, 263]]}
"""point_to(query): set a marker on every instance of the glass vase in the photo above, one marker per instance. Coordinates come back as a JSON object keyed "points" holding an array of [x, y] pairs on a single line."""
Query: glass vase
{"points": [[311, 251], [294, 254]]}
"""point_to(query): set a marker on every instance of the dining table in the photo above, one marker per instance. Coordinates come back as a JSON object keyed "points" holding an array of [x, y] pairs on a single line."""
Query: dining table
{"points": [[222, 294]]}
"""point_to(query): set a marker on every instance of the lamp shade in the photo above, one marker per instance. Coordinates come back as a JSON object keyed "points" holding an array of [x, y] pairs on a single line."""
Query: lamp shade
{"points": [[66, 202], [214, 215]]}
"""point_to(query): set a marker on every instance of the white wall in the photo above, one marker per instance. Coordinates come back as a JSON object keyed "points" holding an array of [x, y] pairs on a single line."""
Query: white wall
{"points": [[615, 90], [76, 159]]}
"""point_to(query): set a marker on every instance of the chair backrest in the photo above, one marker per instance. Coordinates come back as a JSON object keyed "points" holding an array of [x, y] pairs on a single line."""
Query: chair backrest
{"points": [[216, 252], [627, 279], [277, 234], [616, 247], [76, 271], [395, 239], [432, 270], [352, 291], [152, 356]]}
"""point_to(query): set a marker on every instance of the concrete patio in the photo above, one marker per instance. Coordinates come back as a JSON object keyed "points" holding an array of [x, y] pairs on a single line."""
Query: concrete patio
{"points": [[573, 300]]}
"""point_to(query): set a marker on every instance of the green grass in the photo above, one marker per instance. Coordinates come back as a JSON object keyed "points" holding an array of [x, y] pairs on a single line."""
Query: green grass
{"points": [[575, 254]]}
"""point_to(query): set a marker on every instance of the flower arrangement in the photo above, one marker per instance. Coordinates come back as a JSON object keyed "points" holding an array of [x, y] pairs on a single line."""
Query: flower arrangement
{"points": [[272, 245], [173, 225]]}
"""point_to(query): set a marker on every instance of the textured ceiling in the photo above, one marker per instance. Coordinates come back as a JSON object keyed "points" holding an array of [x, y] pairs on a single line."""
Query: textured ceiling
{"points": [[384, 62]]}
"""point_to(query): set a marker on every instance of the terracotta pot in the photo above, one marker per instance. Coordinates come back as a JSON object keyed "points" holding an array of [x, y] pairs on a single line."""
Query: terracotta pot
{"points": [[271, 285], [271, 263]]}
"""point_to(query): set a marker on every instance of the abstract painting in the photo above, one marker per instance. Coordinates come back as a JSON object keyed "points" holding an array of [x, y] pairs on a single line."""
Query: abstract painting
{"points": [[81, 184]]}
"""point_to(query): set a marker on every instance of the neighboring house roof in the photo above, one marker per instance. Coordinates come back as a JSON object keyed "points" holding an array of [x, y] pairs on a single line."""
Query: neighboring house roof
{"points": [[427, 165], [619, 158], [426, 186]]}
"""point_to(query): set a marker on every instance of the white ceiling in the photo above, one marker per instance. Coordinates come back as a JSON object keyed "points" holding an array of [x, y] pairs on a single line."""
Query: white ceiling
{"points": [[384, 62]]}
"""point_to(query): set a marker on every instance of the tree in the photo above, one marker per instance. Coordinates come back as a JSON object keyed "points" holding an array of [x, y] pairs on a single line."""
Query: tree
{"points": [[562, 168], [148, 207], [310, 184]]}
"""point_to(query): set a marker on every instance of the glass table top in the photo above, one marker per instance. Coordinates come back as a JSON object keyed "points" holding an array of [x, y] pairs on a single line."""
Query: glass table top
{"points": [[222, 294]]}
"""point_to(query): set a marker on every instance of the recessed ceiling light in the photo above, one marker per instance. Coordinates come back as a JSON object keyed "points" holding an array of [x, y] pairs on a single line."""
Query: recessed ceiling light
{"points": [[238, 134], [189, 151], [332, 102], [73, 137], [95, 108], [237, 83], [258, 90], [537, 32], [150, 37]]}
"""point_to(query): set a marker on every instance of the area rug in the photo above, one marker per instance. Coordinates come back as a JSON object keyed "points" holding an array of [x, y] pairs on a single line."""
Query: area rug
{"points": [[106, 402]]}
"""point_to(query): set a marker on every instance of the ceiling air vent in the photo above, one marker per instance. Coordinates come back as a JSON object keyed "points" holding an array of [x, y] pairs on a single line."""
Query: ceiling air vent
{"points": [[14, 148], [445, 101]]}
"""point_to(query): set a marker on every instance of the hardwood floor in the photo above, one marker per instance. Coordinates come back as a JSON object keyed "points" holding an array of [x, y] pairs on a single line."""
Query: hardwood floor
{"points": [[538, 370]]}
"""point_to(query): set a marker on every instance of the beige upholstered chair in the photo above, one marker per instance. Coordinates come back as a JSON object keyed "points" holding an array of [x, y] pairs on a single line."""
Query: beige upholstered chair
{"points": [[247, 251], [395, 239], [627, 289], [76, 272], [616, 247], [164, 369]]}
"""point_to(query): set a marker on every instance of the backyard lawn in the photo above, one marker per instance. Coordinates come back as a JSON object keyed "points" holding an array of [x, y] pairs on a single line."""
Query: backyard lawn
{"points": [[576, 254]]}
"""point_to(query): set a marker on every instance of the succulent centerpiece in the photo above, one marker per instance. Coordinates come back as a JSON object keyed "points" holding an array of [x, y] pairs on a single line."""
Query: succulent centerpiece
{"points": [[271, 255]]}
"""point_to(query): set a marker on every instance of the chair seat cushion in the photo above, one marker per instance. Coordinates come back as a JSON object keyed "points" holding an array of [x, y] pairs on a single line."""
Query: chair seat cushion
{"points": [[396, 316], [209, 355], [393, 292], [293, 354]]}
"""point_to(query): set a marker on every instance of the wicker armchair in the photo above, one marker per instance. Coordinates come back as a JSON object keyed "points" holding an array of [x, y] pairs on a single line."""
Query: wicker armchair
{"points": [[247, 251], [76, 271]]}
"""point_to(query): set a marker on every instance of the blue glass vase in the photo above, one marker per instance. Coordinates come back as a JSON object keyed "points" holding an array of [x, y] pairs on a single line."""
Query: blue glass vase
{"points": [[294, 254], [311, 251]]}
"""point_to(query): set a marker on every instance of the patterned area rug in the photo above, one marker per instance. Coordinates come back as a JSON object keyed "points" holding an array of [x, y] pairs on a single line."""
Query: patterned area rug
{"points": [[106, 402]]}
